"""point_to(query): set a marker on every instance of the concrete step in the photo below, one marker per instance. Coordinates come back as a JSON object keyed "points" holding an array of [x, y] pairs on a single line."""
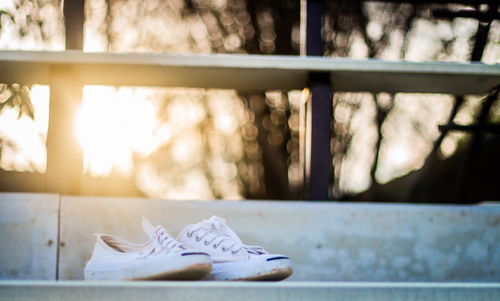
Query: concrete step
{"points": [[51, 237], [207, 291]]}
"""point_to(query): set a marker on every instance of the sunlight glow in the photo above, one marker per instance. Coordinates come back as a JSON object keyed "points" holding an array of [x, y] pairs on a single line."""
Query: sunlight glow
{"points": [[23, 139], [112, 125], [399, 154]]}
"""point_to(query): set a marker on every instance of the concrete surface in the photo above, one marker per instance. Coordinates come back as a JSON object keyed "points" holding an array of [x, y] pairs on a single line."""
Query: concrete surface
{"points": [[242, 291], [248, 73], [28, 236], [326, 241]]}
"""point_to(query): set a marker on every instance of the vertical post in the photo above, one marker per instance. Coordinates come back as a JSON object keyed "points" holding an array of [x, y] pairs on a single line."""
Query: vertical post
{"points": [[316, 148], [64, 155], [73, 20], [320, 106]]}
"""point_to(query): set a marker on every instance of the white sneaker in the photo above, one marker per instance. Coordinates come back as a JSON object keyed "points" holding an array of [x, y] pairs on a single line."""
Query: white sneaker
{"points": [[161, 257], [231, 259]]}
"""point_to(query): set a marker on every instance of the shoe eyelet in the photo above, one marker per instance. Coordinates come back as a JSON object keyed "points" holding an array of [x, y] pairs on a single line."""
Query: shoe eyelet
{"points": [[206, 243], [214, 246], [189, 235], [198, 238], [224, 249], [234, 252]]}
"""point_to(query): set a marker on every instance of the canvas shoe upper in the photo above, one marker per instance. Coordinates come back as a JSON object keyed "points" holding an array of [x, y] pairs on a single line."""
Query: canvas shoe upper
{"points": [[160, 257], [231, 258]]}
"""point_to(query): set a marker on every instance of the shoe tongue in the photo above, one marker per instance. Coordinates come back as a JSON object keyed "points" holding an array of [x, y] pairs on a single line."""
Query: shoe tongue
{"points": [[151, 231], [217, 222], [148, 228]]}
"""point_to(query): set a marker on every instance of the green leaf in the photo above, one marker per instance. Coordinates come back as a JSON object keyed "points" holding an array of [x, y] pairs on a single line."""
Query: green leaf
{"points": [[27, 104], [11, 17], [2, 104], [20, 98], [10, 100], [3, 88], [17, 101]]}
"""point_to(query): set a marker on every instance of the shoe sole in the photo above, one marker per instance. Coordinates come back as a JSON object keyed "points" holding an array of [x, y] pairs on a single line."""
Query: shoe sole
{"points": [[193, 267], [248, 271], [194, 272], [273, 275]]}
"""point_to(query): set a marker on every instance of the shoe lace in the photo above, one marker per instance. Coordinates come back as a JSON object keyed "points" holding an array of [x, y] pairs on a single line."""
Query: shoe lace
{"points": [[164, 242], [161, 240], [215, 231], [257, 250]]}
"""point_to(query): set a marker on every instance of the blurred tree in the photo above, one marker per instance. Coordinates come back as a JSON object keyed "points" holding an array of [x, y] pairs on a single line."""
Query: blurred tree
{"points": [[361, 29], [344, 20], [260, 27], [272, 27], [8, 15], [14, 96]]}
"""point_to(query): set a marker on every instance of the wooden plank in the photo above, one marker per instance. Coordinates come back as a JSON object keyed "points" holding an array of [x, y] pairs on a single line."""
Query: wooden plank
{"points": [[28, 236], [207, 291], [249, 72], [327, 241]]}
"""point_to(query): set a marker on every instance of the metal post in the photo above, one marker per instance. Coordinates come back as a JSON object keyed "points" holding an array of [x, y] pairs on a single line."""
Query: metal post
{"points": [[316, 148], [73, 20], [469, 167]]}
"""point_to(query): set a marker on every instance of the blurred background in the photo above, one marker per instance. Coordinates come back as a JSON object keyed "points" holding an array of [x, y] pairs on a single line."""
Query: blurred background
{"points": [[199, 144]]}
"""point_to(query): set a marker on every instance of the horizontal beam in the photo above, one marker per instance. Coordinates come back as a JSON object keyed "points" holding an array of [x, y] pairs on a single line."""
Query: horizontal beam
{"points": [[248, 72], [18, 181], [207, 291]]}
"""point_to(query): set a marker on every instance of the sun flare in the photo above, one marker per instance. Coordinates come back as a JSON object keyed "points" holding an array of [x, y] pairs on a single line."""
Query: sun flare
{"points": [[112, 125]]}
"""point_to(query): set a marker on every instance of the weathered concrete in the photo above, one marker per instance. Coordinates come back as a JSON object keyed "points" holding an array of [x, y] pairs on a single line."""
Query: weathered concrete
{"points": [[326, 241], [241, 291], [249, 73], [28, 236]]}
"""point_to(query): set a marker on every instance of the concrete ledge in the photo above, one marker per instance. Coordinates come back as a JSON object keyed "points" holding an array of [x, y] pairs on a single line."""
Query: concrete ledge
{"points": [[326, 241], [248, 72], [28, 235], [208, 291]]}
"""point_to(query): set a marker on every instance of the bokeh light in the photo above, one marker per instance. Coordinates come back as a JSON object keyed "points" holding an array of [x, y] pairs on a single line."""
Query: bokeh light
{"points": [[200, 144]]}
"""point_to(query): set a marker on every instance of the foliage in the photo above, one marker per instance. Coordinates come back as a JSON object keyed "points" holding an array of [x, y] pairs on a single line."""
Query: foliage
{"points": [[362, 29], [4, 13], [16, 96]]}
